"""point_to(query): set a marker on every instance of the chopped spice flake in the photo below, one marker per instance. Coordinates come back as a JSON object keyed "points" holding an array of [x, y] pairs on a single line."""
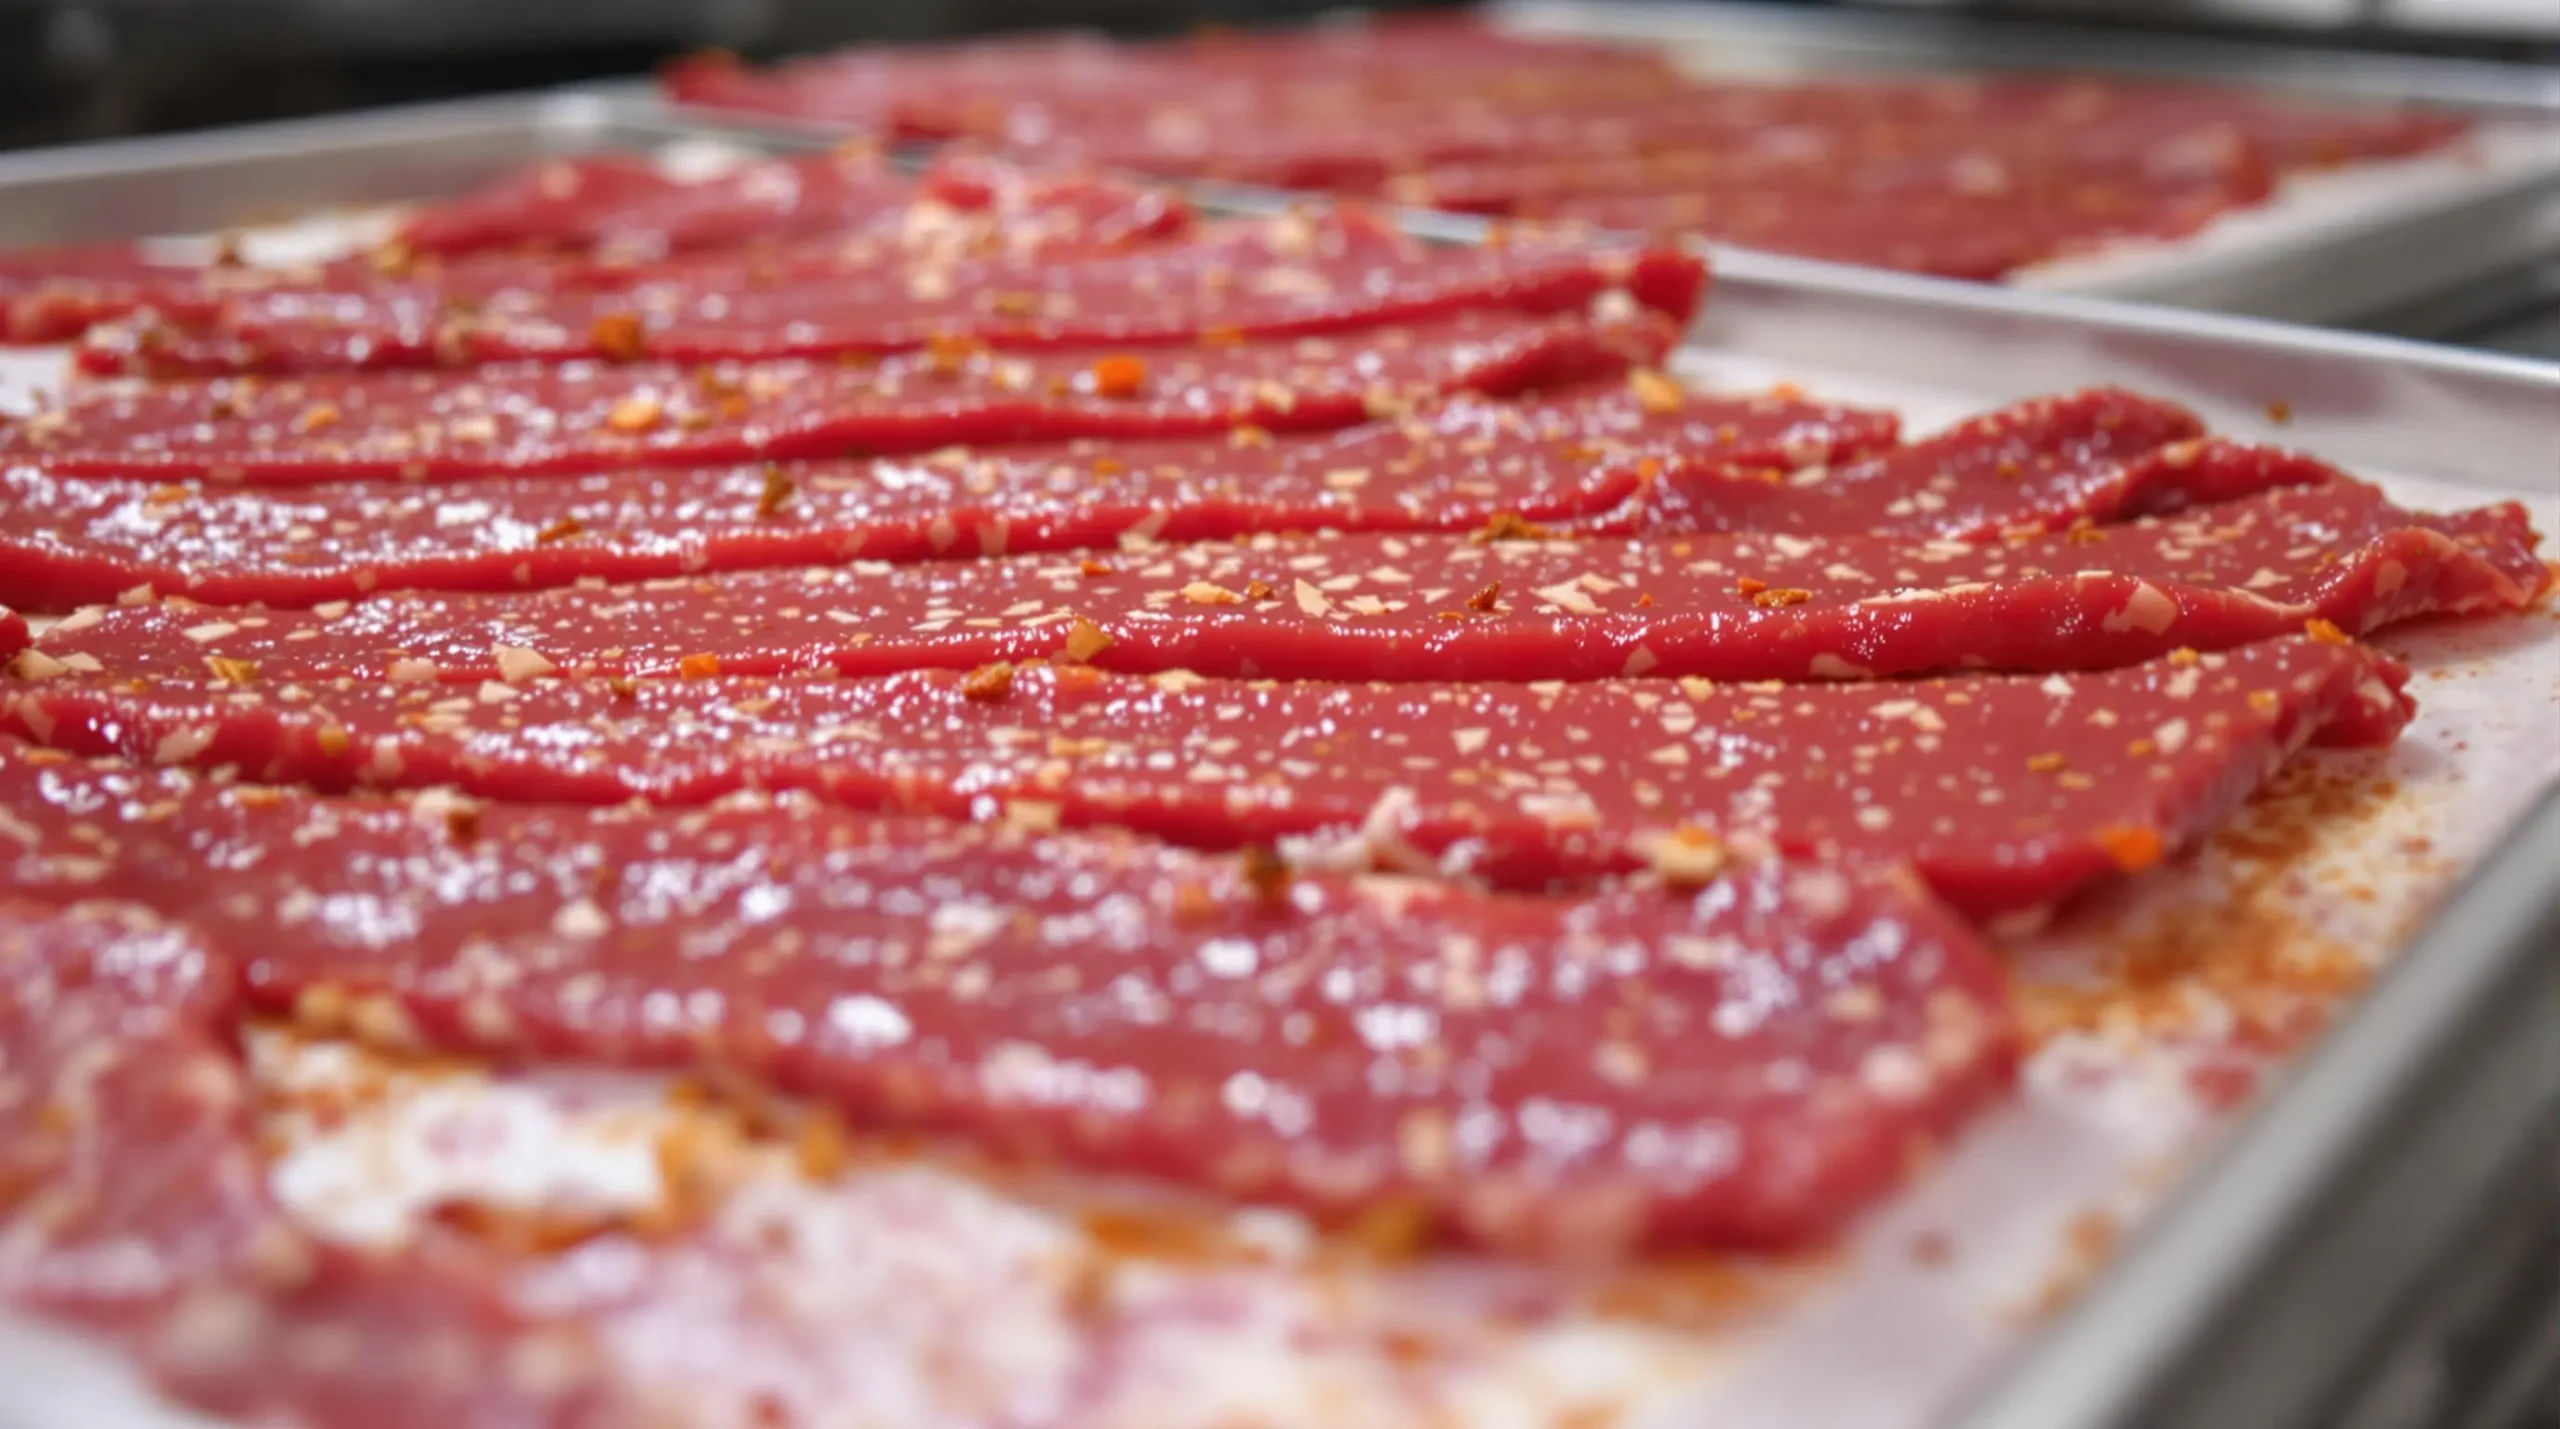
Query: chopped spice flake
{"points": [[777, 494], [988, 683], [698, 666], [618, 337], [1119, 375]]}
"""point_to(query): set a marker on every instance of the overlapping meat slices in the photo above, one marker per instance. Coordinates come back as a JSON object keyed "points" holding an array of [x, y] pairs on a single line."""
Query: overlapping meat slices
{"points": [[1619, 455], [134, 1201], [587, 417], [1426, 608], [1619, 458], [2006, 793], [1578, 1073]]}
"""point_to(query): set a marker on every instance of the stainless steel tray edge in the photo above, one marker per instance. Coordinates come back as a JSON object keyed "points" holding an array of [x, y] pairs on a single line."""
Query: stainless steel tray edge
{"points": [[218, 178], [2264, 1279]]}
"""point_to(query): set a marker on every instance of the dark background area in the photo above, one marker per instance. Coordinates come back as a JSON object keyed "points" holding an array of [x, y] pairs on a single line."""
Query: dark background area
{"points": [[77, 69]]}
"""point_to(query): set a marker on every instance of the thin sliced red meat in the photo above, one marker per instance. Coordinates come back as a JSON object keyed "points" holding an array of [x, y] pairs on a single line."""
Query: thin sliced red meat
{"points": [[625, 203], [1577, 458], [1284, 277], [1423, 608], [2006, 793], [134, 1203], [1581, 1072], [587, 417]]}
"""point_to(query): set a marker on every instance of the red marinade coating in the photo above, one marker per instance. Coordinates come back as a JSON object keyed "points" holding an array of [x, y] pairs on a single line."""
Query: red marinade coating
{"points": [[2091, 457], [134, 1203], [1284, 277], [2006, 793], [1570, 458], [621, 206], [624, 202], [1953, 235], [1584, 1073], [1407, 608], [583, 417]]}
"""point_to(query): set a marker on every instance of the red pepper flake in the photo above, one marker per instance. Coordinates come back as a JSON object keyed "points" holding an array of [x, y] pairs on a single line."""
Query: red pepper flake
{"points": [[1689, 856], [2084, 535], [2044, 763], [1644, 599], [1084, 641], [1092, 567], [2134, 847], [2324, 631], [1781, 596], [168, 495], [2265, 702], [988, 684], [2279, 412], [1260, 590], [1747, 585], [1249, 436], [560, 530], [1221, 336], [698, 667], [947, 353], [1193, 904], [231, 671], [1509, 526], [462, 822], [315, 418], [1109, 466], [635, 413], [1267, 873], [1013, 305], [778, 491], [222, 408], [623, 688], [619, 337], [1485, 601], [1655, 392], [2141, 748], [333, 740], [1119, 375], [2184, 656]]}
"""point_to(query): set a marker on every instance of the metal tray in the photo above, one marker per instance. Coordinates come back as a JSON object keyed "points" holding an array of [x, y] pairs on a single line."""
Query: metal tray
{"points": [[2328, 1253], [2331, 248]]}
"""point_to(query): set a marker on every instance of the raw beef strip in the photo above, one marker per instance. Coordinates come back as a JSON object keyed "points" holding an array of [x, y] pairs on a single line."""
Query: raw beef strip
{"points": [[2007, 793], [1427, 608], [1530, 1072], [1582, 458], [583, 417]]}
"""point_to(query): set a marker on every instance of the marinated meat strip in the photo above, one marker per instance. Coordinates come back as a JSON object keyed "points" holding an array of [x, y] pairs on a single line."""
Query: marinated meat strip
{"points": [[626, 205], [1426, 608], [583, 417], [134, 1203], [1285, 277], [2006, 793], [963, 207], [1571, 1073], [1583, 457]]}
